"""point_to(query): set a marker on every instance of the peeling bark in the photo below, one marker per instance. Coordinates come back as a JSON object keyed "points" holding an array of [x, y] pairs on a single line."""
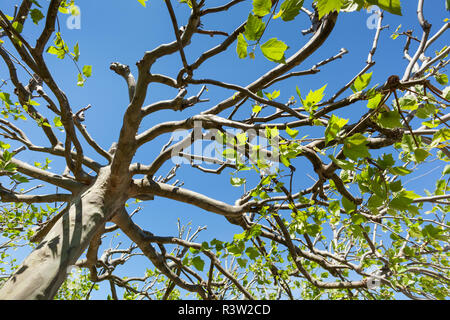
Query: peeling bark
{"points": [[45, 269]]}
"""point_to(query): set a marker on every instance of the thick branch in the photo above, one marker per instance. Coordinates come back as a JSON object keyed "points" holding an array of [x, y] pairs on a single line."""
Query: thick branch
{"points": [[145, 186], [46, 176]]}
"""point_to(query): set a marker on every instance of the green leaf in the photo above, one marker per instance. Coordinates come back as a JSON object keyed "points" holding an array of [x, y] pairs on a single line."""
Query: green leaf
{"points": [[272, 132], [420, 155], [4, 146], [335, 125], [326, 6], [386, 161], [374, 101], [17, 26], [392, 6], [254, 28], [60, 53], [395, 186], [313, 98], [389, 119], [343, 164], [252, 252], [229, 153], [285, 161], [217, 244], [239, 236], [80, 80], [57, 122], [188, 2], [334, 207], [349, 206], [60, 49], [242, 138], [291, 132], [426, 111], [433, 232], [19, 178], [356, 151], [242, 45], [262, 7], [63, 9], [415, 232], [441, 78], [353, 5], [198, 263], [9, 17], [402, 201], [33, 103], [87, 71], [256, 108], [446, 170], [408, 102], [441, 135], [399, 171], [289, 9], [7, 155], [205, 245], [74, 11], [358, 218], [237, 182], [440, 187], [273, 95], [242, 262], [254, 231], [45, 124], [313, 229], [236, 249], [36, 15], [297, 89], [361, 82], [375, 201], [143, 2], [5, 97], [407, 143], [274, 50], [76, 51], [377, 186], [446, 92], [355, 147]]}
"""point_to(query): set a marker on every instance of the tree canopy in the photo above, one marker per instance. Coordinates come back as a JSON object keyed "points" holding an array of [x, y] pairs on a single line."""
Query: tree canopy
{"points": [[263, 149]]}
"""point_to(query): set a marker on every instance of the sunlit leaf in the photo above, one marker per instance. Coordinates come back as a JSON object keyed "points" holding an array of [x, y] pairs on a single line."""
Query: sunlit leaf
{"points": [[274, 49]]}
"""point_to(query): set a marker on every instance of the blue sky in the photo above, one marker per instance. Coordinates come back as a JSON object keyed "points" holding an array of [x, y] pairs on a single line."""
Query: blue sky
{"points": [[121, 31]]}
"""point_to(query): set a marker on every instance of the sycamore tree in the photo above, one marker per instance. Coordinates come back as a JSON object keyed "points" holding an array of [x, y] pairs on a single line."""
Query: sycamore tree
{"points": [[324, 210]]}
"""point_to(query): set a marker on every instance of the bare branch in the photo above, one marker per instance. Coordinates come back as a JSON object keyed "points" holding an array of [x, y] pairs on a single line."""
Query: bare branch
{"points": [[426, 27]]}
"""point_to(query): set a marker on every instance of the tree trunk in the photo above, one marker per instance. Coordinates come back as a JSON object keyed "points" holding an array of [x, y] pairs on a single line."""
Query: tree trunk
{"points": [[45, 269]]}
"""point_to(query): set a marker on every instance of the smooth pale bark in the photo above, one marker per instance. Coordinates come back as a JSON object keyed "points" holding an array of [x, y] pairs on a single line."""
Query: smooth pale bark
{"points": [[45, 269]]}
